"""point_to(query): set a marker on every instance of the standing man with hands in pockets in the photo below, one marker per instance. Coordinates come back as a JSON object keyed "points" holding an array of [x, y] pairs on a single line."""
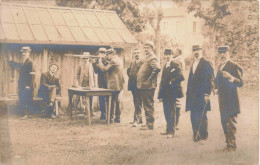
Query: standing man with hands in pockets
{"points": [[147, 82]]}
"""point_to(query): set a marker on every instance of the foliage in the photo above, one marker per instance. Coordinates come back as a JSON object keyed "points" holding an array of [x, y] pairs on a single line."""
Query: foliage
{"points": [[127, 10], [233, 23]]}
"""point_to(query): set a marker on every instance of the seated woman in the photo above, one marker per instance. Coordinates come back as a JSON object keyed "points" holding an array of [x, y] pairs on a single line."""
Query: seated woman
{"points": [[49, 88]]}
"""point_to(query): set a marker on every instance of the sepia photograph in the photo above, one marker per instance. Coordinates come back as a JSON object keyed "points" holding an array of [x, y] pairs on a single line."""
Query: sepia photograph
{"points": [[129, 82]]}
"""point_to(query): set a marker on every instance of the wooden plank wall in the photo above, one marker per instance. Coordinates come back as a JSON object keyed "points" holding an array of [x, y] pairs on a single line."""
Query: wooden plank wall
{"points": [[42, 59]]}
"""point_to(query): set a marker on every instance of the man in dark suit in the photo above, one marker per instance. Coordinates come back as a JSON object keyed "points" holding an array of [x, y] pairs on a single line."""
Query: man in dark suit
{"points": [[200, 84], [147, 82], [115, 81], [102, 81], [170, 89], [132, 86], [25, 82], [229, 77], [49, 88]]}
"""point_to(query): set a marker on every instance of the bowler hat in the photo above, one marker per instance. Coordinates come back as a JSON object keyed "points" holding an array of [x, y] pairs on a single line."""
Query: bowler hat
{"points": [[149, 43], [26, 48], [110, 51], [196, 47], [168, 51], [102, 49], [223, 49]]}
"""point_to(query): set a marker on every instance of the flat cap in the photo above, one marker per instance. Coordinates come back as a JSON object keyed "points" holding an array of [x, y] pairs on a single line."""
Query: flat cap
{"points": [[102, 49], [168, 51], [111, 50], [149, 43], [223, 48], [26, 48], [196, 47]]}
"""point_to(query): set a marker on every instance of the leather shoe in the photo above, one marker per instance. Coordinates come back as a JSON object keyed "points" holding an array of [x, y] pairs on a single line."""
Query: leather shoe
{"points": [[147, 128]]}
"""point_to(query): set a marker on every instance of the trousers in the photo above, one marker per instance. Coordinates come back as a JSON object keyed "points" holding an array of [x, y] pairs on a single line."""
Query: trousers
{"points": [[195, 121], [26, 100], [169, 107], [138, 105], [229, 127], [147, 96]]}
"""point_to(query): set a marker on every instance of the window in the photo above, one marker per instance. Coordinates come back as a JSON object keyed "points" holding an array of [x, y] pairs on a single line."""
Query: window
{"points": [[165, 27], [194, 26]]}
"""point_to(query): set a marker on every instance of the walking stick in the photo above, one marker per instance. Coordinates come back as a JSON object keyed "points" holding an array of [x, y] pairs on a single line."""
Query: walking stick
{"points": [[198, 131]]}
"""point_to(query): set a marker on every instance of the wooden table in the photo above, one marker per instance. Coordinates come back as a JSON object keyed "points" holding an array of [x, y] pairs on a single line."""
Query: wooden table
{"points": [[88, 93]]}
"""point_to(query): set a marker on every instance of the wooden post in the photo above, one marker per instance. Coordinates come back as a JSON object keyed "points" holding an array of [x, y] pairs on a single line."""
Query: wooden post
{"points": [[45, 61]]}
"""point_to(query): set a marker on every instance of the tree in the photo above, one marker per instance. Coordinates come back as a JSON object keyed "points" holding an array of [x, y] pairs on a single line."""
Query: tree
{"points": [[127, 10], [234, 23]]}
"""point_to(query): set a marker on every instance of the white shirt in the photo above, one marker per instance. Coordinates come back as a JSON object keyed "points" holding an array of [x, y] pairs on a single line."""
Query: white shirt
{"points": [[195, 65], [222, 66], [168, 63], [52, 74]]}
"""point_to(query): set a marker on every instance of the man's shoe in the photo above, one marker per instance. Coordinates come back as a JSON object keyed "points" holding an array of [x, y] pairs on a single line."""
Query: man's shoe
{"points": [[164, 133], [147, 128], [25, 117], [134, 124], [229, 149], [169, 136], [53, 116], [117, 120]]}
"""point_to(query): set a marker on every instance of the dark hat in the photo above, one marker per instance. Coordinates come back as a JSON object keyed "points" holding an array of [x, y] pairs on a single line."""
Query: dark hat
{"points": [[102, 49], [110, 51], [196, 47], [222, 49], [25, 48], [168, 51], [149, 43]]}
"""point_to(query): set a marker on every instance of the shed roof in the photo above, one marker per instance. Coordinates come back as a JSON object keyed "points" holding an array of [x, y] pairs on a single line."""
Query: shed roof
{"points": [[61, 25]]}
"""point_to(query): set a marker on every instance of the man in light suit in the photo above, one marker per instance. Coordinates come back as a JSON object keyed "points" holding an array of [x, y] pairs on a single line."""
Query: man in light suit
{"points": [[147, 82], [200, 85], [25, 82], [170, 89], [132, 86], [49, 88], [115, 81], [229, 78]]}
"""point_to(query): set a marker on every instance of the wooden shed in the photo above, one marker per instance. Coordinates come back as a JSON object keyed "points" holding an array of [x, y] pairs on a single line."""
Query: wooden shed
{"points": [[52, 32]]}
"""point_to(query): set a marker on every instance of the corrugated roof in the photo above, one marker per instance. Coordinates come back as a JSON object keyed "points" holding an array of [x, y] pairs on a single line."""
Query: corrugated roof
{"points": [[60, 25]]}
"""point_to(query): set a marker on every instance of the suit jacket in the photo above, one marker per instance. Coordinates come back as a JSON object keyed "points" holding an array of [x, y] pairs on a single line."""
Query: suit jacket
{"points": [[46, 81], [114, 73], [199, 84], [25, 76], [85, 75], [227, 91], [171, 79], [147, 74], [102, 79], [132, 74]]}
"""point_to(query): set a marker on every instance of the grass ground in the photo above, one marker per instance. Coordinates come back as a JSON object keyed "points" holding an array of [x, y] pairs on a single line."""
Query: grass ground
{"points": [[62, 141]]}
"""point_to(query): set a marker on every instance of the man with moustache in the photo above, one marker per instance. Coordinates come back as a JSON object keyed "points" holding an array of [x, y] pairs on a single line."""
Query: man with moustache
{"points": [[170, 89], [115, 81], [228, 79], [147, 82], [49, 89], [200, 84], [132, 86], [25, 82]]}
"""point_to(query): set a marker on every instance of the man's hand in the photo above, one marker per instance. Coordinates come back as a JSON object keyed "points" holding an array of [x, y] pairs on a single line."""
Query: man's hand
{"points": [[206, 98], [160, 100], [215, 91], [27, 87], [10, 58], [226, 74], [92, 61]]}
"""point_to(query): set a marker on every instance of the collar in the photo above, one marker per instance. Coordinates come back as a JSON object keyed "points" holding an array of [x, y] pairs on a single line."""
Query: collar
{"points": [[52, 74]]}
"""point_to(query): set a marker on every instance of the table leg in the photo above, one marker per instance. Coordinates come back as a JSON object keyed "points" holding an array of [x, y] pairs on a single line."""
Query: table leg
{"points": [[88, 109], [109, 109], [70, 104]]}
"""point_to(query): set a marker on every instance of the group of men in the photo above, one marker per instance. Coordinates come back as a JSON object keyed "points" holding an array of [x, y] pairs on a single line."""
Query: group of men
{"points": [[143, 82], [201, 83]]}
